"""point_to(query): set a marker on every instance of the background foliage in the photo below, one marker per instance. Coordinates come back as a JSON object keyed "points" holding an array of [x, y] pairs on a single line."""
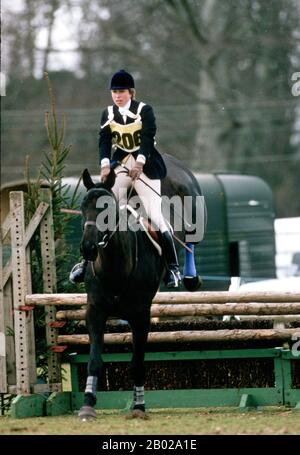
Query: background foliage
{"points": [[218, 74]]}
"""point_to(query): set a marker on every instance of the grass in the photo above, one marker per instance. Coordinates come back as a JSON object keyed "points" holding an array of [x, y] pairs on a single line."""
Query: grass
{"points": [[208, 421]]}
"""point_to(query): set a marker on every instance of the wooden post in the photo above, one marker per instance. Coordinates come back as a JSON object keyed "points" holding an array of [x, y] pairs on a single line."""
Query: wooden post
{"points": [[49, 285], [19, 272], [30, 322], [9, 334], [7, 343], [3, 372]]}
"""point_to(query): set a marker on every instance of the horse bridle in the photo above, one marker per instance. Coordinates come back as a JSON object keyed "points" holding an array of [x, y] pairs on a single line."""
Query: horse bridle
{"points": [[102, 244], [106, 239]]}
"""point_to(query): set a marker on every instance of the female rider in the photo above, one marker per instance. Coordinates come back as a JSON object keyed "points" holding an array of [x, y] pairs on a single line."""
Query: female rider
{"points": [[128, 126]]}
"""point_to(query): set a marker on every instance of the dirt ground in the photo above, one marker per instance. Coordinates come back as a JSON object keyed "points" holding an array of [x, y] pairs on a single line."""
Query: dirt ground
{"points": [[200, 421]]}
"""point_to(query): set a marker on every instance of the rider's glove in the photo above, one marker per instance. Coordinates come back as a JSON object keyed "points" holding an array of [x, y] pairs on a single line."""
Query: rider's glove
{"points": [[104, 173], [136, 171]]}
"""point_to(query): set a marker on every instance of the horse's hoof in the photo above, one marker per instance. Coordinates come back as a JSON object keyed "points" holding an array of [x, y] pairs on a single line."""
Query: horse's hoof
{"points": [[192, 283], [87, 413], [137, 414]]}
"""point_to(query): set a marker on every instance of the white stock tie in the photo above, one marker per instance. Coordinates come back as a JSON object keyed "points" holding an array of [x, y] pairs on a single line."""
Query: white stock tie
{"points": [[123, 112]]}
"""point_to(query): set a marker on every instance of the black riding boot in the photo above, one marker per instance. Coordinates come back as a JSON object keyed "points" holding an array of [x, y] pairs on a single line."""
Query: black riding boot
{"points": [[172, 277], [78, 272]]}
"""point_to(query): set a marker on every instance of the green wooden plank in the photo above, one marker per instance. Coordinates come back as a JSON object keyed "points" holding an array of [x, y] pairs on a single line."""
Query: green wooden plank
{"points": [[278, 372], [246, 403], [28, 406], [184, 355], [59, 403], [291, 397], [185, 398], [288, 354], [105, 400]]}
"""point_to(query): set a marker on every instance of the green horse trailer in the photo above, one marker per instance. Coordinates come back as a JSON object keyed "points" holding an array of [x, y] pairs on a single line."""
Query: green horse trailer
{"points": [[240, 237]]}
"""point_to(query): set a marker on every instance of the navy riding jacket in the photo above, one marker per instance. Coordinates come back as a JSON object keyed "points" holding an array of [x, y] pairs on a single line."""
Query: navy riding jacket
{"points": [[154, 166]]}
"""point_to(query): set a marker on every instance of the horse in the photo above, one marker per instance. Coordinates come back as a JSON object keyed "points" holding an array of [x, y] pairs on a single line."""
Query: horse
{"points": [[122, 277], [191, 213], [181, 182]]}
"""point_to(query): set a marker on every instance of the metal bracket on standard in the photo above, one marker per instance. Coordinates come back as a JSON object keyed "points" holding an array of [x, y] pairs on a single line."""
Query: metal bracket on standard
{"points": [[246, 403], [57, 324], [58, 348]]}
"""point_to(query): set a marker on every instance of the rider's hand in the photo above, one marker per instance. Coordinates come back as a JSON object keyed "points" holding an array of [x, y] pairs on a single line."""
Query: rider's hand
{"points": [[104, 173], [136, 171]]}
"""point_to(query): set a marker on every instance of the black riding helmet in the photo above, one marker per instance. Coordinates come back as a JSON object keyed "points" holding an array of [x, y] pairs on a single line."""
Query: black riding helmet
{"points": [[121, 80]]}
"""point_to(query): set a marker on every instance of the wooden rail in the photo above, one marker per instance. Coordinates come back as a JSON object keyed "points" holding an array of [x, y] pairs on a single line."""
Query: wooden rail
{"points": [[203, 309], [181, 304], [168, 298], [187, 336]]}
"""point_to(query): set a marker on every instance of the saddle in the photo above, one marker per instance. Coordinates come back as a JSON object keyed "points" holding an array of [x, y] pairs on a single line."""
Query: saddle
{"points": [[147, 227]]}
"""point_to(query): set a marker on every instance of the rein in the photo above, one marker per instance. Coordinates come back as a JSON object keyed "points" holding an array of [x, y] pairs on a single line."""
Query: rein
{"points": [[154, 191], [158, 194]]}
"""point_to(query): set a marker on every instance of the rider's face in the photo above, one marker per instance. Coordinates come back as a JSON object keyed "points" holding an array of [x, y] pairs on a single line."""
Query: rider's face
{"points": [[120, 97]]}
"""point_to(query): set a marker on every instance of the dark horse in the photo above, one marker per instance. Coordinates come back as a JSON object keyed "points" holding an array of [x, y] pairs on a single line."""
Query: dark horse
{"points": [[181, 182], [122, 278]]}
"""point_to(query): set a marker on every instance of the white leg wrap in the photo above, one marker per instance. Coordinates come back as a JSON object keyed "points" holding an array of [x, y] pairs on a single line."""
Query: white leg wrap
{"points": [[91, 385], [138, 395]]}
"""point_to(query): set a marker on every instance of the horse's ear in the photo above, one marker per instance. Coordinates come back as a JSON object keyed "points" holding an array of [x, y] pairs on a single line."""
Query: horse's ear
{"points": [[110, 181], [87, 181]]}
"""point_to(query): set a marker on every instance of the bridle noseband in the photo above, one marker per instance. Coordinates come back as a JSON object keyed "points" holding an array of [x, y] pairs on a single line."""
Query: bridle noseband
{"points": [[106, 237]]}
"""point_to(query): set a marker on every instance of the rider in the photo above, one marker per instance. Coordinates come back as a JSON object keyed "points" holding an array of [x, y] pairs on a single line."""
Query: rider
{"points": [[129, 127]]}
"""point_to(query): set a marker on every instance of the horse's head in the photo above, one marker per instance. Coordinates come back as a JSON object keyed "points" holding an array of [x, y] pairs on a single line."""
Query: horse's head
{"points": [[99, 215]]}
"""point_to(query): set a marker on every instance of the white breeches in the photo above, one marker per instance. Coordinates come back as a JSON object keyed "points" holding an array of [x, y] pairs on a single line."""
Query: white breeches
{"points": [[151, 199]]}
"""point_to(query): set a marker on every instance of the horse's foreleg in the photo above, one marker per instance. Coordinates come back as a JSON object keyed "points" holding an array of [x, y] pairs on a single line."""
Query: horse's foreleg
{"points": [[95, 324], [139, 336]]}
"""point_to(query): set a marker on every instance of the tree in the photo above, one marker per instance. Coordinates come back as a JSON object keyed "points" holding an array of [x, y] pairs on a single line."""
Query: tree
{"points": [[218, 73]]}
